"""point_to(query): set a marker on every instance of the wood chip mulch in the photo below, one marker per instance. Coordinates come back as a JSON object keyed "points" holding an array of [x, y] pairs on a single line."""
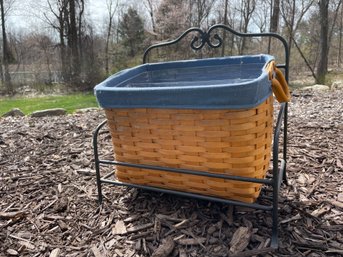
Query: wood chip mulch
{"points": [[48, 195]]}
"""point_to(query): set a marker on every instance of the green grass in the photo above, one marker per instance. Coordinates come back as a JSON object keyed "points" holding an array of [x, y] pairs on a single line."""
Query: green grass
{"points": [[28, 105]]}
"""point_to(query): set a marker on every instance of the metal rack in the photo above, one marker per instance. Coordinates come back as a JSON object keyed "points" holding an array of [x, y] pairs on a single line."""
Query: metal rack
{"points": [[213, 40]]}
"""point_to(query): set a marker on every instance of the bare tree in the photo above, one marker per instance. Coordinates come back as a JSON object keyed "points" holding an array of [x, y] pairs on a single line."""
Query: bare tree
{"points": [[340, 31], [6, 52], [274, 19], [324, 36], [172, 18], [45, 44], [202, 9], [81, 9], [226, 12], [312, 39], [151, 6], [112, 6], [67, 20], [225, 22], [72, 35], [247, 9], [334, 20], [59, 12], [260, 17], [293, 12]]}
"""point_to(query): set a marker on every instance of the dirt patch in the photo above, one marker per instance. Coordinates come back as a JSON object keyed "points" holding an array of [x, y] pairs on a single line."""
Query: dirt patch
{"points": [[49, 207]]}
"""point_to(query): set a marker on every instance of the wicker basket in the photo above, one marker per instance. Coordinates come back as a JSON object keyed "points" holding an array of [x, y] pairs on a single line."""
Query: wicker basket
{"points": [[233, 142]]}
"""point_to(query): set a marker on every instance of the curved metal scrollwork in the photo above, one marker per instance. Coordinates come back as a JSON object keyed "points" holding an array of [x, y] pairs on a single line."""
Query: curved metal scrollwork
{"points": [[206, 39], [214, 40], [197, 43]]}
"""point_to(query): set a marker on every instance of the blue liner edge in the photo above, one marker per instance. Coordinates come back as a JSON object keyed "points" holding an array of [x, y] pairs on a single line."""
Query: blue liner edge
{"points": [[224, 96]]}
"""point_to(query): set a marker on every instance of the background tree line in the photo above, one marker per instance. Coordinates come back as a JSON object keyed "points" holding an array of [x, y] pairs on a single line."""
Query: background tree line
{"points": [[70, 49]]}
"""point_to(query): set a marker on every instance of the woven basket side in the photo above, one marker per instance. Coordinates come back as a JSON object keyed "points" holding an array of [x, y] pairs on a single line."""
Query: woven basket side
{"points": [[234, 142]]}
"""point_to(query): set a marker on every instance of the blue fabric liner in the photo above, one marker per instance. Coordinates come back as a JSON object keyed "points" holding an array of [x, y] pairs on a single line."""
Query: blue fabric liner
{"points": [[237, 82]]}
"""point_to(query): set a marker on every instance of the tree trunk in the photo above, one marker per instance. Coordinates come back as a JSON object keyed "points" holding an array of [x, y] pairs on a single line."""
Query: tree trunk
{"points": [[47, 59], [248, 9], [291, 28], [107, 45], [79, 35], [200, 13], [73, 43], [63, 52], [323, 41], [7, 77], [1, 72], [274, 20], [151, 13], [339, 61], [333, 24], [225, 23], [111, 12]]}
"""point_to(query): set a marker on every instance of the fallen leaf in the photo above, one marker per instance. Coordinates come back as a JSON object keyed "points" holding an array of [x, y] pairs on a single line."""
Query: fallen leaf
{"points": [[119, 253], [139, 227], [96, 252], [302, 179], [296, 217], [337, 204], [28, 245], [165, 248], [340, 197], [119, 228], [59, 188], [12, 252], [11, 215], [191, 241], [55, 252], [321, 211], [129, 253], [240, 240]]}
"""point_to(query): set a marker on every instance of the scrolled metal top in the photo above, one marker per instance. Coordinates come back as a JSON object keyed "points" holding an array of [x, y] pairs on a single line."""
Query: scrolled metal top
{"points": [[214, 40], [197, 43]]}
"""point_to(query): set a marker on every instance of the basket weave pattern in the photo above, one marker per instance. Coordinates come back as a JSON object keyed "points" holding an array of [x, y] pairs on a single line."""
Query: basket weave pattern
{"points": [[233, 142]]}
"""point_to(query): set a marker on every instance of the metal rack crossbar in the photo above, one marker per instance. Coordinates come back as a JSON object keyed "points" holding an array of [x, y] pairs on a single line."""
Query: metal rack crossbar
{"points": [[279, 165]]}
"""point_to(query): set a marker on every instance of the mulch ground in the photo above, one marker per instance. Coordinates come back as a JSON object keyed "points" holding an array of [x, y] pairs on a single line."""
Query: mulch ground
{"points": [[48, 195]]}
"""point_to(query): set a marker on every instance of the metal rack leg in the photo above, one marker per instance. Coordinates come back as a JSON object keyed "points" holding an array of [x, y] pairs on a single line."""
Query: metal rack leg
{"points": [[275, 220], [285, 124], [284, 178], [98, 181], [277, 177], [96, 159]]}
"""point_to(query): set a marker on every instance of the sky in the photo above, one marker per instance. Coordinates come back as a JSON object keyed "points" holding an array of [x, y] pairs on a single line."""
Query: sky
{"points": [[28, 15]]}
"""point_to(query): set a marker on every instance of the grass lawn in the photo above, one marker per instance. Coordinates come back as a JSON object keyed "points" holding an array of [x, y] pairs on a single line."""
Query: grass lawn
{"points": [[69, 102]]}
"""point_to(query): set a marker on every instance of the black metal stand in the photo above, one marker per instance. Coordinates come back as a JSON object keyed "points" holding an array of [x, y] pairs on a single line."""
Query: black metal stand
{"points": [[279, 166]]}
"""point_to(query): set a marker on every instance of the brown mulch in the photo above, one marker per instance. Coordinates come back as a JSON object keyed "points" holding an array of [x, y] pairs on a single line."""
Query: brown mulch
{"points": [[48, 195]]}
